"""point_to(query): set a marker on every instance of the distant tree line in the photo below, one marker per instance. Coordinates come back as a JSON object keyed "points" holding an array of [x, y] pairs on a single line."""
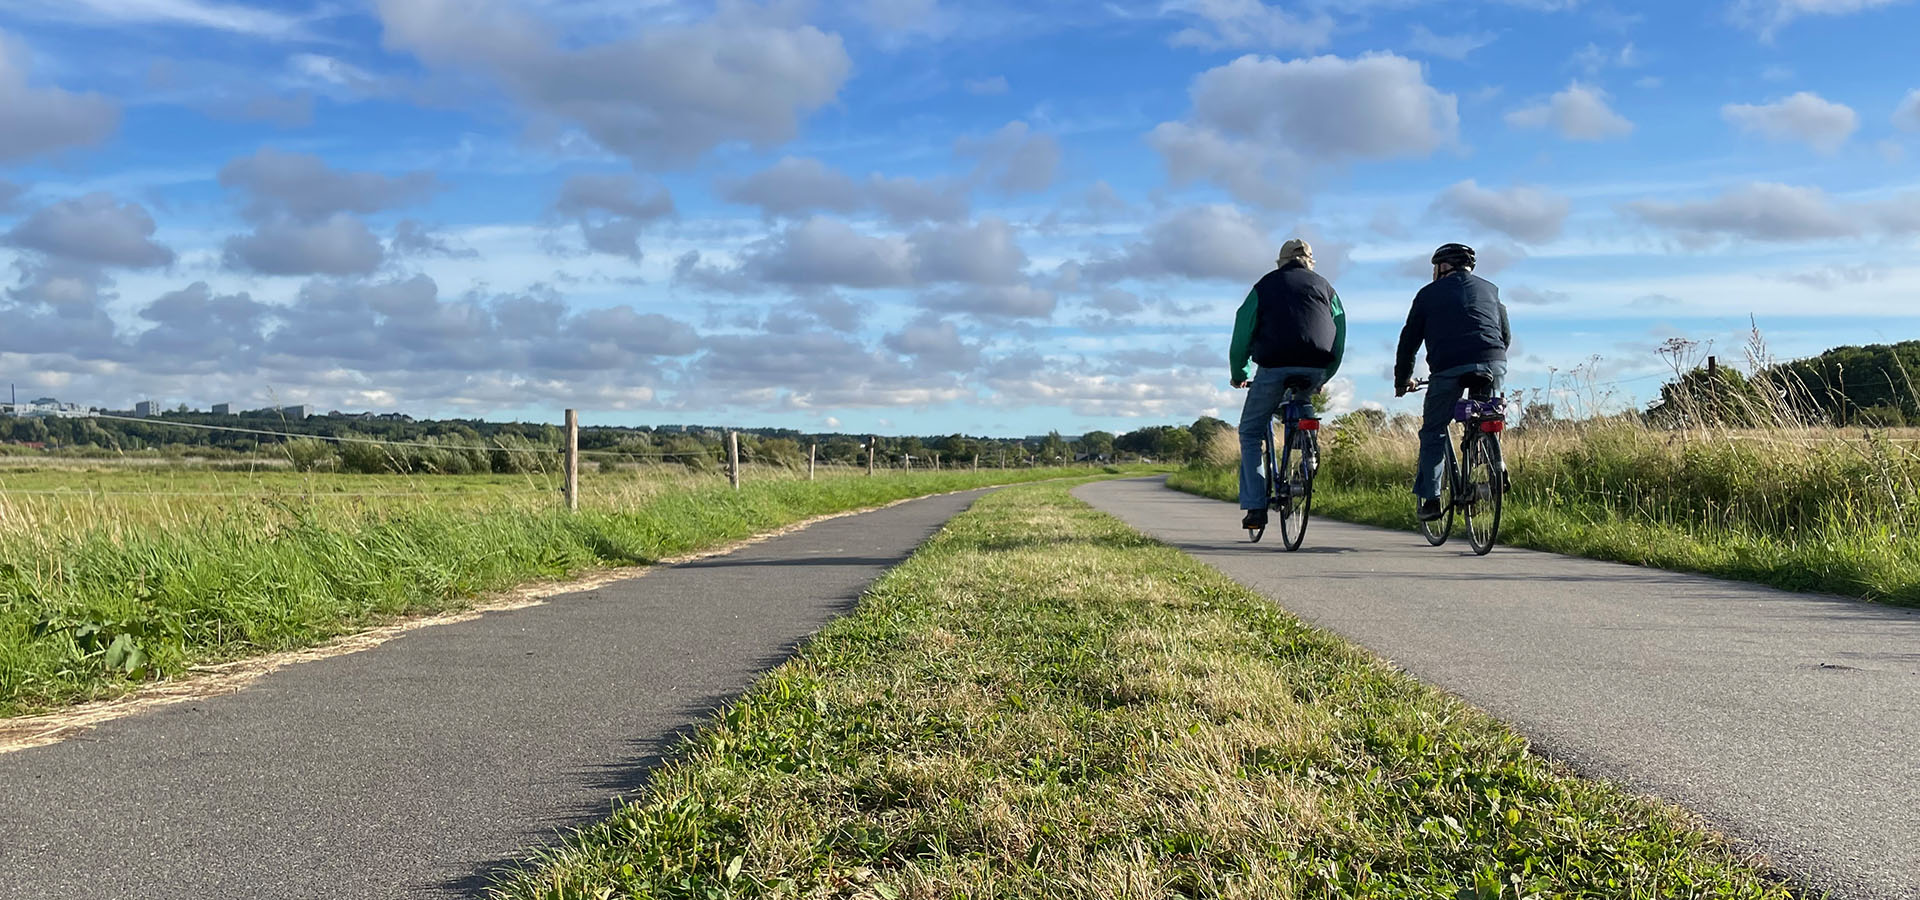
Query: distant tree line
{"points": [[399, 444]]}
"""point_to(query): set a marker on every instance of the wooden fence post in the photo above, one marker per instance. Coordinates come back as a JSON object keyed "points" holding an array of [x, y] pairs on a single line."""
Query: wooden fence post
{"points": [[813, 452], [871, 441], [733, 458], [573, 460], [976, 462]]}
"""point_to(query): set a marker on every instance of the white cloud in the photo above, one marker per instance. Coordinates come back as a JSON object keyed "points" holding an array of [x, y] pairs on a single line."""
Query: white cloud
{"points": [[1768, 16], [1244, 24], [305, 187], [796, 187], [1014, 158], [1215, 241], [1448, 46], [340, 244], [1260, 124], [236, 18], [1593, 60], [612, 210], [40, 120], [1530, 296], [95, 229], [1759, 211], [1521, 212], [666, 95], [1579, 113], [1805, 117], [1906, 116]]}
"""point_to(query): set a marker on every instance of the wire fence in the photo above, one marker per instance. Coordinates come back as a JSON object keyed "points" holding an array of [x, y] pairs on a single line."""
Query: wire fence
{"points": [[544, 470]]}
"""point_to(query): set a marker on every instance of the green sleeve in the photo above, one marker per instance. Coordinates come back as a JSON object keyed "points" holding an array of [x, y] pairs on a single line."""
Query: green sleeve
{"points": [[1339, 336], [1242, 348]]}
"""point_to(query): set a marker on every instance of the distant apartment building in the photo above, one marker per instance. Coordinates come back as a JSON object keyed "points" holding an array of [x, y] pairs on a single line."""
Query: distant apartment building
{"points": [[223, 409], [296, 412], [146, 409]]}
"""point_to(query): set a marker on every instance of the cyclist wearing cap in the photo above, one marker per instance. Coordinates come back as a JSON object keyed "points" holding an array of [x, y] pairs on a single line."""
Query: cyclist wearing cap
{"points": [[1293, 326], [1464, 325]]}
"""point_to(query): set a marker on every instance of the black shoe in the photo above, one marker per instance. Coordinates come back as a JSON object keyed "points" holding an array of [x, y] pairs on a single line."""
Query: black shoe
{"points": [[1256, 518], [1430, 510]]}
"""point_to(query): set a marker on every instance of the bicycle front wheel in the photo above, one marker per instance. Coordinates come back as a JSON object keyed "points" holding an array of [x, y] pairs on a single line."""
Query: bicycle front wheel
{"points": [[1303, 462], [1438, 530], [1486, 488]]}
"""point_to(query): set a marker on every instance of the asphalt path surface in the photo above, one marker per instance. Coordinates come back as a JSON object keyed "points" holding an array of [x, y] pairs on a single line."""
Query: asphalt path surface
{"points": [[1789, 721], [418, 768]]}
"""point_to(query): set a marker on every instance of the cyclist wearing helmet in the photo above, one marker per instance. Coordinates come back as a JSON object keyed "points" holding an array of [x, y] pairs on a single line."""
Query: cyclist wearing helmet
{"points": [[1464, 325], [1293, 325]]}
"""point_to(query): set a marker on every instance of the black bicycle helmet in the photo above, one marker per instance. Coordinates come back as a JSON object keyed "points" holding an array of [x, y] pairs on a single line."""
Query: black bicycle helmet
{"points": [[1460, 256]]}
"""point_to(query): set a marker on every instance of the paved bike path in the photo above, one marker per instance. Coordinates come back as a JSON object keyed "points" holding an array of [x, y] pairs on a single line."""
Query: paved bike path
{"points": [[416, 768], [1791, 721]]}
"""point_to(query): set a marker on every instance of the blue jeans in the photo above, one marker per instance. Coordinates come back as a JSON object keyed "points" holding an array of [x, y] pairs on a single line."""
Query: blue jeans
{"points": [[1264, 398], [1443, 392]]}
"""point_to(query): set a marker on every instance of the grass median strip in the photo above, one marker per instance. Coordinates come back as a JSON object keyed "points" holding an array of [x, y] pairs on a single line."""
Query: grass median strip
{"points": [[1042, 702], [94, 603]]}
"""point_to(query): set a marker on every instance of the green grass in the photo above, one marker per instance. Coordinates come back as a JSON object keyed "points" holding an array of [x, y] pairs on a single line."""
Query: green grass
{"points": [[1834, 515], [100, 593], [1044, 703]]}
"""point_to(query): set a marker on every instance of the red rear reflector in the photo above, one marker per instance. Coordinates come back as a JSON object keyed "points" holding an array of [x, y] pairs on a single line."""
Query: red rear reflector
{"points": [[1309, 424], [1493, 427]]}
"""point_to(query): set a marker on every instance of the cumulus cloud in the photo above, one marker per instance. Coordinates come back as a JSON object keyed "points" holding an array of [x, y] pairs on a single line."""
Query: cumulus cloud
{"points": [[1579, 113], [934, 343], [822, 251], [1240, 24], [59, 307], [829, 252], [305, 188], [1805, 117], [35, 121], [1831, 277], [665, 95], [340, 244], [96, 229], [306, 214], [1523, 213], [1259, 124], [613, 210], [1906, 116], [1005, 301], [1215, 241], [1530, 296], [412, 238], [796, 187], [1760, 211], [1014, 158]]}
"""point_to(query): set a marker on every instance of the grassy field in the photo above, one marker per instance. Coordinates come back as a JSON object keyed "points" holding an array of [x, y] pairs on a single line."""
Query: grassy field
{"points": [[1043, 703], [110, 578], [1822, 510]]}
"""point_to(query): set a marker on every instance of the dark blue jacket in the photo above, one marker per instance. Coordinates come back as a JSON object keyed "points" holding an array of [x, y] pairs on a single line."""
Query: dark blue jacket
{"points": [[1461, 320]]}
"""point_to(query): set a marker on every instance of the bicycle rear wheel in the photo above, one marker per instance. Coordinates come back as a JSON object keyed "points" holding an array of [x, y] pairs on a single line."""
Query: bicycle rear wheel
{"points": [[1438, 530], [1486, 490], [1255, 534], [1302, 463]]}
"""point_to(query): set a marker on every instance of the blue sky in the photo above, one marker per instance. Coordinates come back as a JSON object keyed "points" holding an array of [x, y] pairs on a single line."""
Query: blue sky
{"points": [[922, 215]]}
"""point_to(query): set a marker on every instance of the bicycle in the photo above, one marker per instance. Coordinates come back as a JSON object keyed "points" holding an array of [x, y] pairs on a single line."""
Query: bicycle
{"points": [[1293, 500], [1476, 488]]}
